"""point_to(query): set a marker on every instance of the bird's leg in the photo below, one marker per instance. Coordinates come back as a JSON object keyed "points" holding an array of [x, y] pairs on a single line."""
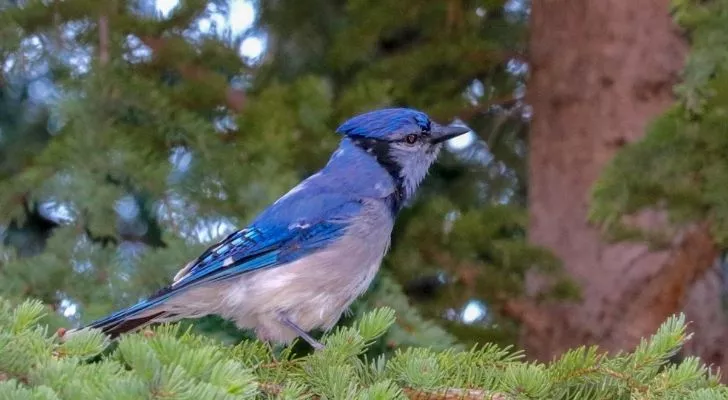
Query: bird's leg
{"points": [[303, 334], [272, 350]]}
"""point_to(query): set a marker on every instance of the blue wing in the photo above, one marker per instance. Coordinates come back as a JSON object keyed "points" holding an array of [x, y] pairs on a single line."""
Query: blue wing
{"points": [[256, 247], [285, 232]]}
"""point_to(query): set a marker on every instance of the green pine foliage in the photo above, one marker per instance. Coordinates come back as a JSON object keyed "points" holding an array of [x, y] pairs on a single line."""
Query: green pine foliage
{"points": [[168, 363], [682, 159]]}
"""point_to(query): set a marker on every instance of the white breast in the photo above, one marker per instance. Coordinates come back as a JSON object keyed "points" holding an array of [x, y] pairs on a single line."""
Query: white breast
{"points": [[316, 290]]}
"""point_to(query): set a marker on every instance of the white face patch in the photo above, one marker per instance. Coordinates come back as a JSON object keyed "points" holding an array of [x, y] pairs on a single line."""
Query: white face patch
{"points": [[415, 161]]}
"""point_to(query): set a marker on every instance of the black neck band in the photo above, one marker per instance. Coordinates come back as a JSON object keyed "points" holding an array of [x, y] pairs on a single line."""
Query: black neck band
{"points": [[379, 149]]}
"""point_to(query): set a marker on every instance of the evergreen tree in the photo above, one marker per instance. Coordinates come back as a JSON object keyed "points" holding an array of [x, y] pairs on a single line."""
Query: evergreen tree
{"points": [[158, 133]]}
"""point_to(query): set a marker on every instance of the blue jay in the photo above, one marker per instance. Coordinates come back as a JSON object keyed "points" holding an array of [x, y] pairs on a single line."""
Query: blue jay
{"points": [[301, 263]]}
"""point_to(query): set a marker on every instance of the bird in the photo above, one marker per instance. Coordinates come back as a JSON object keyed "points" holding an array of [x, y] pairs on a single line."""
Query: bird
{"points": [[300, 263]]}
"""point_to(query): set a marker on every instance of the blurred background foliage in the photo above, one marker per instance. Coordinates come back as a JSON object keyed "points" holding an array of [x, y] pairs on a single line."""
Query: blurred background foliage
{"points": [[135, 133]]}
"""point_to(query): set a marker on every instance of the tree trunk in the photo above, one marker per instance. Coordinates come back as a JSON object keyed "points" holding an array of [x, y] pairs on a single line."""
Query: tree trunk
{"points": [[601, 70]]}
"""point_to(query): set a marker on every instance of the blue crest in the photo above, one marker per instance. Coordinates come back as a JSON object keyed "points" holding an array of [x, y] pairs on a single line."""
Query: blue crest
{"points": [[384, 123]]}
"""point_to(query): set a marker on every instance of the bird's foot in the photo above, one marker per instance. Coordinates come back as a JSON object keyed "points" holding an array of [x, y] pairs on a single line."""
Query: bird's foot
{"points": [[300, 332]]}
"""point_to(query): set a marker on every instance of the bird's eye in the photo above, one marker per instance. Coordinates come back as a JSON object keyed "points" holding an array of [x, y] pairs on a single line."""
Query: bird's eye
{"points": [[411, 139]]}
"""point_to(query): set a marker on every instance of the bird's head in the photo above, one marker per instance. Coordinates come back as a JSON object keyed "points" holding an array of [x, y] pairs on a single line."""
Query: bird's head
{"points": [[404, 141]]}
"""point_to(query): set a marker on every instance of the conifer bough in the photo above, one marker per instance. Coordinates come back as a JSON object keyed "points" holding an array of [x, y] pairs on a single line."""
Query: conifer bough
{"points": [[166, 363]]}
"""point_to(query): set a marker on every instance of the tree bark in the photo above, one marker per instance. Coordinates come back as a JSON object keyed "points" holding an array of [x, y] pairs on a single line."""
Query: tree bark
{"points": [[601, 71]]}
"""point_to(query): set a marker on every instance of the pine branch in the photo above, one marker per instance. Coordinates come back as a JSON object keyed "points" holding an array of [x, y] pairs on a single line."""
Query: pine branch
{"points": [[104, 56], [454, 394], [166, 360], [415, 394], [524, 311], [480, 108], [270, 388], [234, 98]]}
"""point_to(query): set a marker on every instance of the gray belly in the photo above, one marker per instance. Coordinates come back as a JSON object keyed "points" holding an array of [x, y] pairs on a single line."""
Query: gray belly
{"points": [[314, 291]]}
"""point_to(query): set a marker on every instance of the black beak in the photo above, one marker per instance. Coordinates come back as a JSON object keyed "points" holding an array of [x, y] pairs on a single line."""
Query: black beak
{"points": [[441, 133]]}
